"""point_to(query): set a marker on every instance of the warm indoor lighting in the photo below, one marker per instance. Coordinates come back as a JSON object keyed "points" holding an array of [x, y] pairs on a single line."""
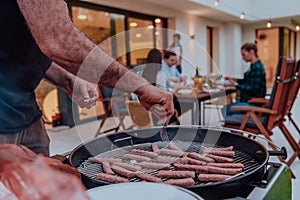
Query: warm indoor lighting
{"points": [[150, 26], [269, 24], [242, 15], [138, 35], [157, 20], [133, 24], [82, 17], [217, 3], [297, 27], [156, 33]]}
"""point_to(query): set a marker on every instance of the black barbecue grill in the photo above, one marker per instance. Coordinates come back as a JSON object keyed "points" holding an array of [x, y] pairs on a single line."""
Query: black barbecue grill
{"points": [[252, 154]]}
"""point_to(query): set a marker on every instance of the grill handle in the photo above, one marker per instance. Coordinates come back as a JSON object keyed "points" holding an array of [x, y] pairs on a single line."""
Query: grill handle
{"points": [[282, 152]]}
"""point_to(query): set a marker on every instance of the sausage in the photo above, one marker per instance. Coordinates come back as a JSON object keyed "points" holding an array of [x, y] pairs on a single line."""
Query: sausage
{"points": [[148, 177], [227, 165], [171, 160], [144, 153], [183, 160], [128, 166], [122, 171], [196, 168], [165, 159], [100, 160], [106, 168], [176, 174], [172, 152], [192, 161], [154, 147], [111, 178], [181, 182], [152, 165], [203, 148], [220, 153], [220, 158], [200, 157], [213, 177], [174, 147], [227, 171], [136, 157]]}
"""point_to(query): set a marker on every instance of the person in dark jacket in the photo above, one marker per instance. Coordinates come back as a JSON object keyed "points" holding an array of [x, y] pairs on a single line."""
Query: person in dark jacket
{"points": [[253, 84]]}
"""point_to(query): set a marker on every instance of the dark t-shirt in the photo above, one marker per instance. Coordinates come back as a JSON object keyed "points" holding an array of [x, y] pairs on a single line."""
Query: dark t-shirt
{"points": [[22, 66]]}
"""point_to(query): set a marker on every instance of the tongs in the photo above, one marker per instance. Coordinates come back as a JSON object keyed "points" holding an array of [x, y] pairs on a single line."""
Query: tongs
{"points": [[164, 133]]}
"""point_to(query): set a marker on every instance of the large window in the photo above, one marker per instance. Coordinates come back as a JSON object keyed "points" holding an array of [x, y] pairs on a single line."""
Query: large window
{"points": [[126, 36]]}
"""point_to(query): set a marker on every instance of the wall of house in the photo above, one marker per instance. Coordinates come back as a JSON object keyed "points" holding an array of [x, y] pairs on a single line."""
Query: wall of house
{"points": [[228, 37], [298, 46]]}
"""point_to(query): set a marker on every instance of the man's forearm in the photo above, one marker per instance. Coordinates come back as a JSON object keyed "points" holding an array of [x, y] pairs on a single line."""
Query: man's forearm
{"points": [[60, 77]]}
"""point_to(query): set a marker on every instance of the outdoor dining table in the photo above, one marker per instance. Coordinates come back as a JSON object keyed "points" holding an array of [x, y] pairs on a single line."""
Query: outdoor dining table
{"points": [[196, 100]]}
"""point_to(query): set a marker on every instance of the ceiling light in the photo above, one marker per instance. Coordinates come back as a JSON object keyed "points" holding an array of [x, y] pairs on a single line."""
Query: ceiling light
{"points": [[157, 20], [82, 17], [297, 27], [150, 26], [242, 15], [217, 3], [138, 35], [269, 24], [156, 33], [133, 24]]}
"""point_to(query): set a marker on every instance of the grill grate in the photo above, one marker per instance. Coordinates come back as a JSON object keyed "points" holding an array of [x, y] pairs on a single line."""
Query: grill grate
{"points": [[90, 169]]}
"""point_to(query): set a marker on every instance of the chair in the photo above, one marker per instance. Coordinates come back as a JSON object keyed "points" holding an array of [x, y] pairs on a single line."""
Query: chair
{"points": [[274, 114], [138, 69], [291, 99], [217, 104], [114, 106], [140, 117]]}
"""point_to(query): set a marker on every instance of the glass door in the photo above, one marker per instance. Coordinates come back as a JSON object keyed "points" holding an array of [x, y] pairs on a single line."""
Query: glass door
{"points": [[105, 29]]}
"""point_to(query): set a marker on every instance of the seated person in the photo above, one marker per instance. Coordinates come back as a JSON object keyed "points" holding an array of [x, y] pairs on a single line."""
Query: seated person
{"points": [[173, 77], [253, 83], [154, 74]]}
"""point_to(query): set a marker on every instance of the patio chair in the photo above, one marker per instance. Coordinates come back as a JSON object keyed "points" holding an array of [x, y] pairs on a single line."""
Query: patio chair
{"points": [[140, 117], [114, 106], [262, 120], [291, 100]]}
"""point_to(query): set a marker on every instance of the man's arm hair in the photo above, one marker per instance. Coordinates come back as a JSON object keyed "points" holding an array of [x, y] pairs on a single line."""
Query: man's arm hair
{"points": [[61, 41]]}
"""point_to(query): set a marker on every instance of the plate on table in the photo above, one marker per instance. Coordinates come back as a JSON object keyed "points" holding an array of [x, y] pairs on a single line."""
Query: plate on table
{"points": [[184, 91]]}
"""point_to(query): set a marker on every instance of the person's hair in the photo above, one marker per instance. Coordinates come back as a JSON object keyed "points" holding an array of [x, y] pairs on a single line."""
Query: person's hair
{"points": [[250, 46], [177, 35], [153, 65], [168, 53]]}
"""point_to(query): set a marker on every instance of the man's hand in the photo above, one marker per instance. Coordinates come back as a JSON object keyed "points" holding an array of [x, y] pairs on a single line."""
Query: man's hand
{"points": [[84, 93], [158, 101]]}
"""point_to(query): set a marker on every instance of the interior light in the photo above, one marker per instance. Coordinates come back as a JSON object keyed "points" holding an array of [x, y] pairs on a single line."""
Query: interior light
{"points": [[242, 15], [156, 33], [138, 35], [269, 24], [150, 26], [217, 3], [297, 27], [82, 17], [133, 24], [157, 20]]}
